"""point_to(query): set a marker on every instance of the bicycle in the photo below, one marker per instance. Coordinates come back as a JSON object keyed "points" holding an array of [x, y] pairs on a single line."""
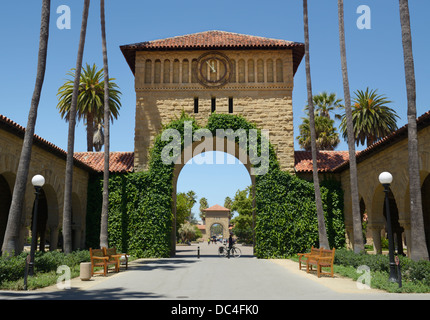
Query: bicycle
{"points": [[234, 252]]}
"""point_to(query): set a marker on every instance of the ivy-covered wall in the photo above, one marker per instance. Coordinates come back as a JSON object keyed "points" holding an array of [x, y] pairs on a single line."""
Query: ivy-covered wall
{"points": [[140, 204]]}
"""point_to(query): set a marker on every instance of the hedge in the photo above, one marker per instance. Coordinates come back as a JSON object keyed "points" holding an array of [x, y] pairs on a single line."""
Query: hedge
{"points": [[12, 268]]}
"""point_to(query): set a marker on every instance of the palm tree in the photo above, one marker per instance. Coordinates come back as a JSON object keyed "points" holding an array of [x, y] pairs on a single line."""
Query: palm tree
{"points": [[67, 210], [91, 99], [372, 119], [107, 114], [325, 103], [323, 240], [203, 205], [356, 217], [10, 243], [325, 132], [418, 245]]}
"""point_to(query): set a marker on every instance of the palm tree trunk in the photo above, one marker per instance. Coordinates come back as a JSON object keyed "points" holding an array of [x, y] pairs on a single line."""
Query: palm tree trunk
{"points": [[356, 217], [67, 211], [90, 132], [11, 238], [323, 241], [418, 247], [105, 206]]}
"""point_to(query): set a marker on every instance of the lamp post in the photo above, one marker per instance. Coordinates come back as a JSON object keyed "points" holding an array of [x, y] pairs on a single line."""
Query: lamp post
{"points": [[38, 181], [385, 178]]}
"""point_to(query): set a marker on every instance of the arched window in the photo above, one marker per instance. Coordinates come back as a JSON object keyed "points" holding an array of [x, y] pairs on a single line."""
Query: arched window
{"points": [[148, 71]]}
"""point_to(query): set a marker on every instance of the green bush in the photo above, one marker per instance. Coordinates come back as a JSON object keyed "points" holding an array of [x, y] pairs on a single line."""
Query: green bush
{"points": [[13, 268], [417, 272], [286, 222]]}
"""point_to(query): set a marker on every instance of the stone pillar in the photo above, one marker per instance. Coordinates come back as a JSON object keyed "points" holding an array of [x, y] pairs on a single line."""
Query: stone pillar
{"points": [[407, 234], [376, 235], [53, 238]]}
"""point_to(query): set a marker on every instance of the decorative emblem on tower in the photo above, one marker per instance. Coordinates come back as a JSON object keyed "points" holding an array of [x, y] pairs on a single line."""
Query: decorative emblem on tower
{"points": [[213, 69]]}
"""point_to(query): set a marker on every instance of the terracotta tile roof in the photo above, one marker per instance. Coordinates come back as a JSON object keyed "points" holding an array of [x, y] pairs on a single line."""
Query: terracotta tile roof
{"points": [[119, 162], [211, 40], [18, 130], [216, 207], [402, 133], [326, 160]]}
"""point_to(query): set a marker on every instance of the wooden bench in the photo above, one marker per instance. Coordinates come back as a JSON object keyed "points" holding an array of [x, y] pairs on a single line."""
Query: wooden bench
{"points": [[99, 259], [314, 252], [324, 260], [115, 256]]}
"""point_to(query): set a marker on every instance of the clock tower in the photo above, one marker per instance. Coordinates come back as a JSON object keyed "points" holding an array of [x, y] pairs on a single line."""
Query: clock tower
{"points": [[215, 71]]}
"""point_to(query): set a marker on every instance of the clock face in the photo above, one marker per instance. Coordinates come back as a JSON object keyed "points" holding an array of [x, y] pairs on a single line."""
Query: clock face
{"points": [[213, 69]]}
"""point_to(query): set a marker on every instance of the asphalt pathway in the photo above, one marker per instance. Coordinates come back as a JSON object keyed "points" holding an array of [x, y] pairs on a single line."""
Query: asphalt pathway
{"points": [[187, 277]]}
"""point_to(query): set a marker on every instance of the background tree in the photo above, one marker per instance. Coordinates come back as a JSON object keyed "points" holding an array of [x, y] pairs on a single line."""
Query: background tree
{"points": [[322, 232], [418, 239], [242, 224], [356, 216], [327, 137], [90, 107], [10, 242], [67, 209], [203, 205], [371, 117], [228, 202], [324, 103], [242, 202]]}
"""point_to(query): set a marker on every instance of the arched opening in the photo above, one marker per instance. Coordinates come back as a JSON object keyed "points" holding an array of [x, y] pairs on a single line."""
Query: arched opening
{"points": [[217, 178], [217, 232], [42, 218], [5, 201], [395, 225], [425, 192]]}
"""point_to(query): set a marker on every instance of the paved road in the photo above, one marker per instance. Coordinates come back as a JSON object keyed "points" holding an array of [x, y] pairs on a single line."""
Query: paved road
{"points": [[210, 277]]}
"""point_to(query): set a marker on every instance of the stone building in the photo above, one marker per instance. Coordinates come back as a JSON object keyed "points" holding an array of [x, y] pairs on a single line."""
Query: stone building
{"points": [[216, 215], [388, 154], [214, 71], [49, 161]]}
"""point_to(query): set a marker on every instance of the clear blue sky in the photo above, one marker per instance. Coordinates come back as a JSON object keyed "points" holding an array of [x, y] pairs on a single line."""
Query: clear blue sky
{"points": [[375, 58]]}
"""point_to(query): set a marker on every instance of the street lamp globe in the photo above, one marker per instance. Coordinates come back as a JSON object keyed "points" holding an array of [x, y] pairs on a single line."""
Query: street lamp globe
{"points": [[385, 178], [38, 180]]}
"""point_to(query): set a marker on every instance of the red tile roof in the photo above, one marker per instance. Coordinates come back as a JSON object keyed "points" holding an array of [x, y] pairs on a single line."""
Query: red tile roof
{"points": [[119, 162], [326, 160], [210, 40], [216, 207]]}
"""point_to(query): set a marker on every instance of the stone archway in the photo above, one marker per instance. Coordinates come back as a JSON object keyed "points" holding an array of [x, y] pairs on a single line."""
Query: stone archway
{"points": [[217, 213], [217, 216], [425, 192]]}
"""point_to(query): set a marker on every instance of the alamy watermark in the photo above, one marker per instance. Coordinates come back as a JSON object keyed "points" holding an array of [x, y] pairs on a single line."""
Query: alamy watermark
{"points": [[63, 281], [364, 21], [363, 281], [64, 21], [252, 146]]}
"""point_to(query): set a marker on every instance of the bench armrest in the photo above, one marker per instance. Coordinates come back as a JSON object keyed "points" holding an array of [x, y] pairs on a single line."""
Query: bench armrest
{"points": [[100, 258]]}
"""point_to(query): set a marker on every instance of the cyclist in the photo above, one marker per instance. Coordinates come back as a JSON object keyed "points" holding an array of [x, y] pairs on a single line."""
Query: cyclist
{"points": [[230, 244]]}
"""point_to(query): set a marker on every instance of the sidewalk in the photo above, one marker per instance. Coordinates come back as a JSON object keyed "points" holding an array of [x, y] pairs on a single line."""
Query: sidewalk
{"points": [[338, 283]]}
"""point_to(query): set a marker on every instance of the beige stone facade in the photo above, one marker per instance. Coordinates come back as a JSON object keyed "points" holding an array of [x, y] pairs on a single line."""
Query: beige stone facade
{"points": [[259, 87], [50, 162], [216, 215], [389, 154]]}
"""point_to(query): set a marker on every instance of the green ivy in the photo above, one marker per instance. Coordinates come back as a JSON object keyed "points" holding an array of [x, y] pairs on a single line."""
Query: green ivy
{"points": [[140, 203]]}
